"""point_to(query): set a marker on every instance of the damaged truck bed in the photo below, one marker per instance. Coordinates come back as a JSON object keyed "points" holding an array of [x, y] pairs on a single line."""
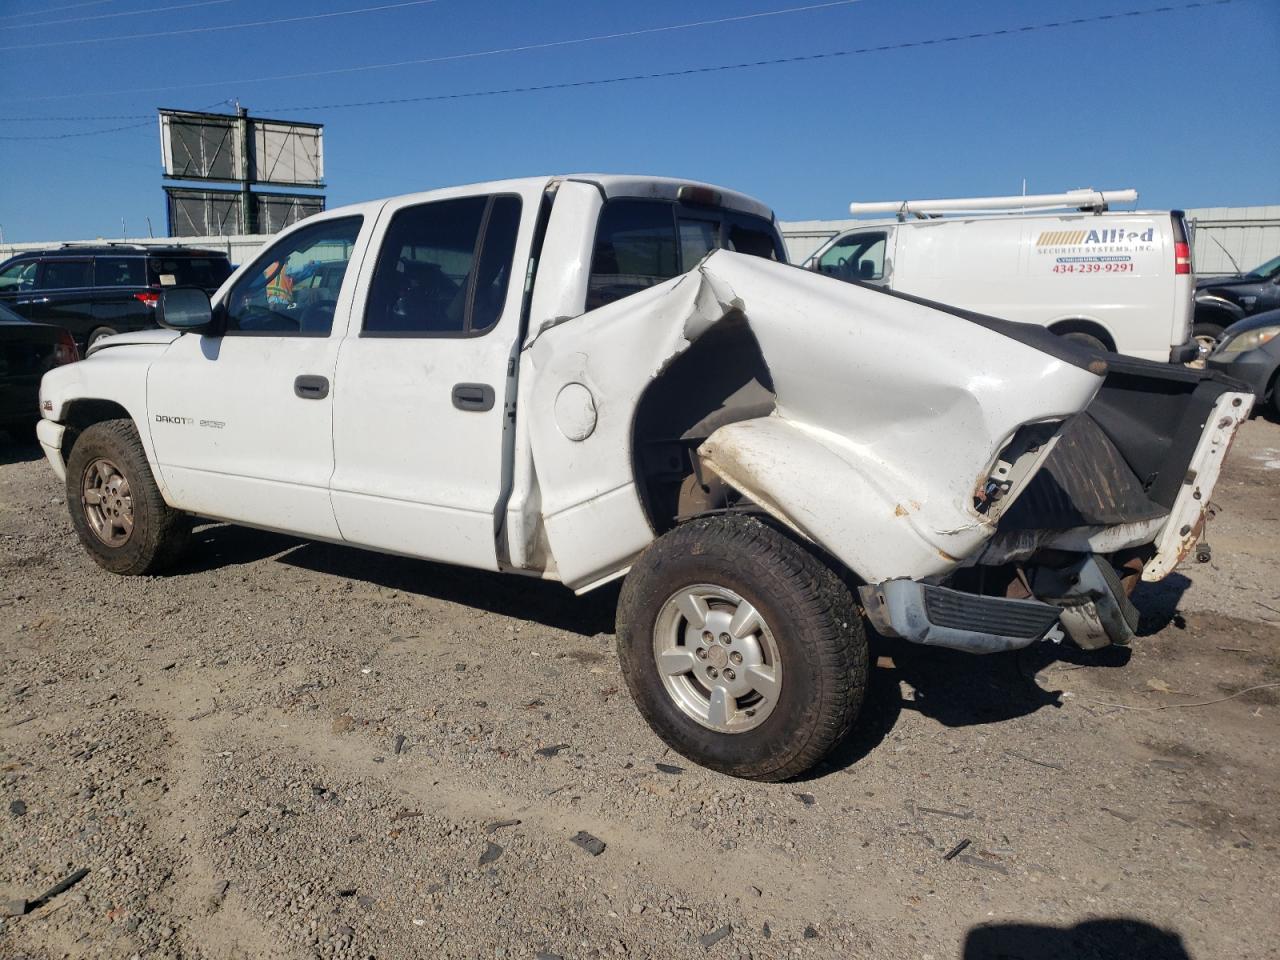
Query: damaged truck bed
{"points": [[988, 483]]}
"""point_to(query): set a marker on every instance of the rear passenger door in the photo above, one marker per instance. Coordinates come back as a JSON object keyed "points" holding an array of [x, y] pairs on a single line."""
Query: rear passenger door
{"points": [[425, 380], [63, 296]]}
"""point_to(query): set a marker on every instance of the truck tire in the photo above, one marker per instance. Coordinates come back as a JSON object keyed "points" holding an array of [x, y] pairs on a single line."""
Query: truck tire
{"points": [[116, 508], [743, 651]]}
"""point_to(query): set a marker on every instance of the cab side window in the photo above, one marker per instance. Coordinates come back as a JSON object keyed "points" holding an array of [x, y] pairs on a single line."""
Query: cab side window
{"points": [[65, 274], [277, 296], [859, 256], [444, 268], [18, 276]]}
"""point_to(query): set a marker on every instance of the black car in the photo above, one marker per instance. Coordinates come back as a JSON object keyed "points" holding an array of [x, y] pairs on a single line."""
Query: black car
{"points": [[27, 351], [1221, 301], [1250, 351], [95, 291]]}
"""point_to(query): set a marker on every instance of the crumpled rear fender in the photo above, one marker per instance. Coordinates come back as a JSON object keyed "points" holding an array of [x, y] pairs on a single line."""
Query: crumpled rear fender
{"points": [[889, 416]]}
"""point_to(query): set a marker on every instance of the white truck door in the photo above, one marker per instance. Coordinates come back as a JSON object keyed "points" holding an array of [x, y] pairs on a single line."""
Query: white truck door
{"points": [[427, 376], [242, 423]]}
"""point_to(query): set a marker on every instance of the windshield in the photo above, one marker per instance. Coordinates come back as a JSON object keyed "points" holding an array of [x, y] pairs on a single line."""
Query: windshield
{"points": [[1267, 270]]}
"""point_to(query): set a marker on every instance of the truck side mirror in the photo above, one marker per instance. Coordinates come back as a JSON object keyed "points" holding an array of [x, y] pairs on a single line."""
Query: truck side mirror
{"points": [[185, 309]]}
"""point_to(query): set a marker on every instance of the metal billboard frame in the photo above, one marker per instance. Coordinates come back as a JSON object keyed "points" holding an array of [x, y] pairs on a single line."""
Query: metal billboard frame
{"points": [[254, 142]]}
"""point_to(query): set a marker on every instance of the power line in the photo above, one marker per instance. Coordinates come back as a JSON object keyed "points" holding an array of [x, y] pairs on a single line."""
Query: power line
{"points": [[42, 12], [93, 133], [523, 48], [776, 61], [111, 16], [694, 71], [274, 22]]}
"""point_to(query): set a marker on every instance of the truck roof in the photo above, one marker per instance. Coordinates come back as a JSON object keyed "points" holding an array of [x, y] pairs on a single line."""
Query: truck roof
{"points": [[609, 184]]}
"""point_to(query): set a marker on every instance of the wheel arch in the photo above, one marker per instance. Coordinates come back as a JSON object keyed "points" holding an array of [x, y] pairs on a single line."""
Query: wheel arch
{"points": [[81, 413], [1084, 325], [721, 378]]}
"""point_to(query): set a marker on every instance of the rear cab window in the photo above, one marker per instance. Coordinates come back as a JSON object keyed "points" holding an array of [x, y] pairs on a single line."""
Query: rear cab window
{"points": [[641, 243]]}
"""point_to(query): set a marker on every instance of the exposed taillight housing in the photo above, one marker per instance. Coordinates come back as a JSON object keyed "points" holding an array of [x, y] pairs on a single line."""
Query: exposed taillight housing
{"points": [[149, 297], [65, 350], [1181, 258], [1181, 243]]}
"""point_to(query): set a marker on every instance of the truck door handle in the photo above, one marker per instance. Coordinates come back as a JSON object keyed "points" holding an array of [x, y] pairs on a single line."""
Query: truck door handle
{"points": [[311, 387], [23, 303], [477, 397]]}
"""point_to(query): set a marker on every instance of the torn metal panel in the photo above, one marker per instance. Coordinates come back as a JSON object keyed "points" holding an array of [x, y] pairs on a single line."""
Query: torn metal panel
{"points": [[859, 436], [591, 511]]}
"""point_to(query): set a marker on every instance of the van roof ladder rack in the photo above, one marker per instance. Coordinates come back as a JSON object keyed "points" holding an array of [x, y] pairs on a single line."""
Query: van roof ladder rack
{"points": [[1086, 200]]}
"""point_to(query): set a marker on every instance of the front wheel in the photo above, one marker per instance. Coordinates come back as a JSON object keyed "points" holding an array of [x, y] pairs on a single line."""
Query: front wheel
{"points": [[743, 651], [116, 508]]}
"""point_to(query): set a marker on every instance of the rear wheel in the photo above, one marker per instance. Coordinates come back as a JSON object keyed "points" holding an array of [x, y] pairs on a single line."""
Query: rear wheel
{"points": [[742, 650], [115, 505]]}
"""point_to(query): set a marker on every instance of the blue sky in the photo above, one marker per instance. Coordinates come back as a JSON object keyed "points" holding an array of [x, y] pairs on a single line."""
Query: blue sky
{"points": [[1180, 105]]}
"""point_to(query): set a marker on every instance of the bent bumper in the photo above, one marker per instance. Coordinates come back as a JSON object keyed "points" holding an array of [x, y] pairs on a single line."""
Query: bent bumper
{"points": [[50, 435], [940, 617]]}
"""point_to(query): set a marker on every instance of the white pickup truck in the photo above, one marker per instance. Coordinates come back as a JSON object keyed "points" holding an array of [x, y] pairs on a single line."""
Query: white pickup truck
{"points": [[583, 378]]}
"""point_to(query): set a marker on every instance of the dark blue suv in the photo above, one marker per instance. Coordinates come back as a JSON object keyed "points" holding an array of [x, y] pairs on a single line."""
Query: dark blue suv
{"points": [[95, 291]]}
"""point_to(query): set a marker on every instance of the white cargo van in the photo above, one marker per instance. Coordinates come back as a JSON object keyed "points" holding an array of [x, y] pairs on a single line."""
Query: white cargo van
{"points": [[1115, 280]]}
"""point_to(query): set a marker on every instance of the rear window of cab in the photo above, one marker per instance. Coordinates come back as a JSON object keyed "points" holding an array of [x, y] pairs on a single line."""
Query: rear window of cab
{"points": [[640, 243]]}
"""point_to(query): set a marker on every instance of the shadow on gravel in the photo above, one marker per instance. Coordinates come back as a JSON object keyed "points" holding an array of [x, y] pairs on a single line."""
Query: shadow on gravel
{"points": [[20, 450], [218, 545], [1109, 938], [955, 689], [225, 545], [1157, 604], [522, 598]]}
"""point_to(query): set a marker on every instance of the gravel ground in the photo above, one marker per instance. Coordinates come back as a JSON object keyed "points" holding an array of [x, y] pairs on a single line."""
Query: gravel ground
{"points": [[296, 750]]}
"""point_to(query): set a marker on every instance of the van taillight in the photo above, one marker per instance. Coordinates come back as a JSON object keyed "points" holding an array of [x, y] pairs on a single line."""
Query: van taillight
{"points": [[150, 298], [65, 350], [1181, 258]]}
